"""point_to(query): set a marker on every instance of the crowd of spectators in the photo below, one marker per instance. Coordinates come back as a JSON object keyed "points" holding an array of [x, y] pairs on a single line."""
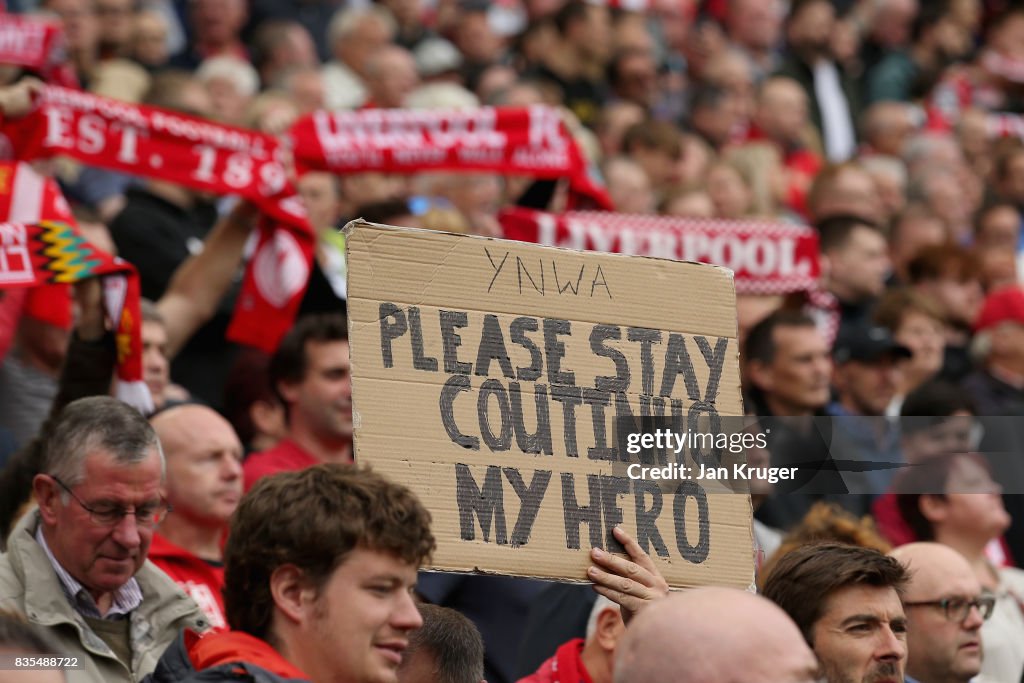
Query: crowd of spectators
{"points": [[893, 128]]}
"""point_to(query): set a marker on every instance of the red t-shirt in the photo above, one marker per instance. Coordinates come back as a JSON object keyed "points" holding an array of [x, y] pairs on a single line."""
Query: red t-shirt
{"points": [[564, 667], [286, 456], [201, 580]]}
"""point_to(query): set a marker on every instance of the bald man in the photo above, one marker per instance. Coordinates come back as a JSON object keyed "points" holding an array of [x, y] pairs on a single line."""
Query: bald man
{"points": [[714, 635], [944, 614], [204, 485]]}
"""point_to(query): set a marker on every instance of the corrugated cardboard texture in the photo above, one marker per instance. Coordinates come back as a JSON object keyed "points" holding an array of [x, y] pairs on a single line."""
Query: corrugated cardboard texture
{"points": [[417, 408]]}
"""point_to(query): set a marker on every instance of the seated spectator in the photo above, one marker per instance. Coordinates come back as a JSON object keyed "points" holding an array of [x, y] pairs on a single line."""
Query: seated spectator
{"points": [[913, 229], [204, 485], [576, 62], [391, 76], [997, 235], [760, 165], [150, 39], [20, 638], [948, 274], [846, 602], [787, 369], [781, 118], [115, 27], [714, 634], [885, 128], [628, 186], [280, 45], [589, 658], [250, 405], [614, 119], [446, 649], [995, 387], [954, 501], [657, 147], [890, 176], [216, 27], [319, 571], [948, 610], [865, 378], [915, 322], [354, 34], [310, 374], [844, 189], [715, 115], [856, 267], [729, 191], [78, 564]]}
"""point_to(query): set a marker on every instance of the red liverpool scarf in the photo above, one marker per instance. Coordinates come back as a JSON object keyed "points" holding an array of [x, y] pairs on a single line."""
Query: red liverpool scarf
{"points": [[40, 246], [530, 141], [199, 154], [765, 257]]}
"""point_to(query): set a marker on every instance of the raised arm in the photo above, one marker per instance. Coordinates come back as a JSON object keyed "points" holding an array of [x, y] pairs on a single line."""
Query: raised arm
{"points": [[199, 283]]}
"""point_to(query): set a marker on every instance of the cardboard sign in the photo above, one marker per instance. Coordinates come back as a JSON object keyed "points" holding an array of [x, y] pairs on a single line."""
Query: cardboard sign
{"points": [[487, 375]]}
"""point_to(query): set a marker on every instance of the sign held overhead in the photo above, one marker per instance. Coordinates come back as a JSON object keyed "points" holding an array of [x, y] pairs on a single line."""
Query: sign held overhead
{"points": [[494, 378]]}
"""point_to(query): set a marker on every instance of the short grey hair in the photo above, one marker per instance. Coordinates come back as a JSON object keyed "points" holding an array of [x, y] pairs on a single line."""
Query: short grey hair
{"points": [[347, 22], [239, 73], [600, 605], [95, 423]]}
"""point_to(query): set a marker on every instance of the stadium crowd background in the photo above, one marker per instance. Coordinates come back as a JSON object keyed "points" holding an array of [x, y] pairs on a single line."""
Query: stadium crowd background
{"points": [[894, 127]]}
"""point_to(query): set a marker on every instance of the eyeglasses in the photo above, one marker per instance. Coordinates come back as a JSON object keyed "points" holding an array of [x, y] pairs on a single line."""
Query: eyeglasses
{"points": [[147, 515], [957, 609]]}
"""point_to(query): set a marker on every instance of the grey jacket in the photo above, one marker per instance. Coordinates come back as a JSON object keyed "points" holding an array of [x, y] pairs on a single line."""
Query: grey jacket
{"points": [[28, 584]]}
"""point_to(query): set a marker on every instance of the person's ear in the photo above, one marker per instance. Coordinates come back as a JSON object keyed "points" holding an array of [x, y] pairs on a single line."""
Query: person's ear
{"points": [[609, 629], [47, 494], [291, 593], [933, 508]]}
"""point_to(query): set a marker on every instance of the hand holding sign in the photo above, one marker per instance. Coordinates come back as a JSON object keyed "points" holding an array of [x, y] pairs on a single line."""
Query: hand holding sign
{"points": [[632, 584]]}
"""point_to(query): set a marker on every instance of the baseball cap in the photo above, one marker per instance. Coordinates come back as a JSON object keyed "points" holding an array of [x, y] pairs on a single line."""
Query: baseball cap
{"points": [[1000, 306], [867, 344]]}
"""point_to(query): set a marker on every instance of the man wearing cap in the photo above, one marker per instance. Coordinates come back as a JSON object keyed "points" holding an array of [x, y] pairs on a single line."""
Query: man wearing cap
{"points": [[865, 375], [998, 387]]}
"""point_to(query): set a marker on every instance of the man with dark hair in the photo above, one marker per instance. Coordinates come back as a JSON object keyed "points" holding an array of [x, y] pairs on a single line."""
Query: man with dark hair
{"points": [[319, 572], [855, 259], [78, 564], [834, 95], [846, 600], [787, 371], [446, 649], [657, 146], [576, 63], [310, 374]]}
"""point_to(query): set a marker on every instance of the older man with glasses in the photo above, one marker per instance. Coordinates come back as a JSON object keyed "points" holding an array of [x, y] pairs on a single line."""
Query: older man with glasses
{"points": [[77, 566], [946, 608]]}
